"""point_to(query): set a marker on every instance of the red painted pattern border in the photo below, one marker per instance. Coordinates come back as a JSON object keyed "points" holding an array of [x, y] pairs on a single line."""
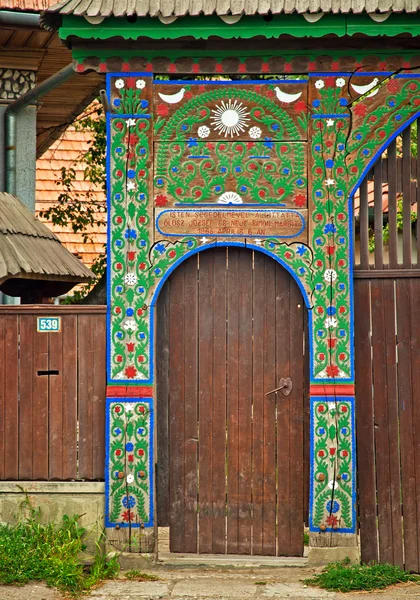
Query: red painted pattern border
{"points": [[332, 390], [129, 391]]}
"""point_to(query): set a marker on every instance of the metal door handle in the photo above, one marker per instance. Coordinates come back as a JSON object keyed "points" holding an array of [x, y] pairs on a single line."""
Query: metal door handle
{"points": [[285, 387]]}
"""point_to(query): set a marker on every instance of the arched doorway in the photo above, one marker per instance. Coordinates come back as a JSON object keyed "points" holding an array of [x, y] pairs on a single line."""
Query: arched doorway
{"points": [[230, 463]]}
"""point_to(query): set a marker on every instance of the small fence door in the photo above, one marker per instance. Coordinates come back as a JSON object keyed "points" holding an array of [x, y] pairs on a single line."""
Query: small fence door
{"points": [[230, 457]]}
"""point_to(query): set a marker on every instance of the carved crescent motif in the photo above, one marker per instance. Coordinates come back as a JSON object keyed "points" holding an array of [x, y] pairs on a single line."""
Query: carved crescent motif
{"points": [[283, 97], [173, 98], [362, 89]]}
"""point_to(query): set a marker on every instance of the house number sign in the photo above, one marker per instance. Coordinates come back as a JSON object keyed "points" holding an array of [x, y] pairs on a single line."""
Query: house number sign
{"points": [[48, 324]]}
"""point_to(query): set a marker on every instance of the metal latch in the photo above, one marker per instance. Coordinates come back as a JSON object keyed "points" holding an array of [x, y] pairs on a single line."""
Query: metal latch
{"points": [[285, 387]]}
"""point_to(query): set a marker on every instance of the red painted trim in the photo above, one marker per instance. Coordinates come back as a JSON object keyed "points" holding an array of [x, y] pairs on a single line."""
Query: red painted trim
{"points": [[332, 390], [129, 391]]}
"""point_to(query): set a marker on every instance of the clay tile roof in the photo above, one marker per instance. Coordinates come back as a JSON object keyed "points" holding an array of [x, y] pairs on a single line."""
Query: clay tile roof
{"points": [[29, 250], [122, 8]]}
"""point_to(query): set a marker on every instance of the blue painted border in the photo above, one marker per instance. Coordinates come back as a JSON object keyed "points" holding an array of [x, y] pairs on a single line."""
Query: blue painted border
{"points": [[230, 235], [350, 73], [350, 400], [149, 401], [236, 82], [332, 116]]}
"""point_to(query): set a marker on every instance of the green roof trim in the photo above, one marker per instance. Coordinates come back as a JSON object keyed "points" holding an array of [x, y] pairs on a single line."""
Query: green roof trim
{"points": [[203, 27]]}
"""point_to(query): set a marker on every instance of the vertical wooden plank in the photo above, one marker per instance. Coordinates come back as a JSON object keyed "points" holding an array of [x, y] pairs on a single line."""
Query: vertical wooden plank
{"points": [[26, 370], [98, 396], [418, 191], [162, 405], [405, 395], [295, 400], [364, 225], [191, 432], [9, 398], [85, 366], [232, 395], [365, 423], [205, 387], [392, 205], [406, 189], [3, 394], [55, 391], [378, 215], [415, 372], [69, 383], [259, 403], [40, 414], [245, 402], [176, 412], [267, 299], [219, 403], [306, 420]]}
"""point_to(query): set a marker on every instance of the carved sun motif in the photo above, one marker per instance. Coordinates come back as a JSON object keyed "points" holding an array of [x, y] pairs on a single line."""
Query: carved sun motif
{"points": [[231, 118]]}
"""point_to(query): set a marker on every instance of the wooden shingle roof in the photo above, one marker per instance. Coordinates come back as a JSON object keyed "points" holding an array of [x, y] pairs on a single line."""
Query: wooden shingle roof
{"points": [[122, 8], [29, 250]]}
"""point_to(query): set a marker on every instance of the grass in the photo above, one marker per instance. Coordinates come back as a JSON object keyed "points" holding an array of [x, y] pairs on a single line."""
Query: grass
{"points": [[31, 551], [135, 575], [345, 577]]}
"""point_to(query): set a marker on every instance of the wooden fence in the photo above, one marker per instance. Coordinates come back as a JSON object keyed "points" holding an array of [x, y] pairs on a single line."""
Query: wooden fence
{"points": [[52, 394]]}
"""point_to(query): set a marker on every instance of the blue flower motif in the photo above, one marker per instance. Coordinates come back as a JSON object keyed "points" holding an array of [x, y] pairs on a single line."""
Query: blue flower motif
{"points": [[119, 243], [331, 310], [142, 335], [142, 243], [157, 271], [223, 169], [243, 188], [344, 430], [159, 181], [398, 117], [345, 476], [339, 192], [119, 335], [329, 163], [391, 103], [271, 245], [318, 193], [117, 431], [141, 290], [302, 271], [190, 243], [238, 169], [332, 506], [184, 127], [268, 143], [129, 501], [318, 241], [366, 152], [129, 447], [117, 196], [174, 169], [119, 288], [359, 136], [192, 142], [140, 430], [299, 182], [316, 103], [301, 250], [321, 430], [117, 102], [330, 228], [144, 104], [274, 126], [160, 248], [217, 188], [129, 312], [341, 333], [318, 148], [142, 151], [320, 333], [118, 150], [318, 286], [286, 171], [343, 101], [341, 286], [131, 173], [341, 239], [340, 146], [141, 196]]}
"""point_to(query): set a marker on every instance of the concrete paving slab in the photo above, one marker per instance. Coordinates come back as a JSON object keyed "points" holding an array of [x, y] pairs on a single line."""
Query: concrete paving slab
{"points": [[294, 590], [213, 588], [131, 589], [31, 591], [168, 559]]}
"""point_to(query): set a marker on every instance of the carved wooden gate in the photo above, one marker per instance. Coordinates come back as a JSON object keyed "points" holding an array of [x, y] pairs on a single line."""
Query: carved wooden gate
{"points": [[230, 455]]}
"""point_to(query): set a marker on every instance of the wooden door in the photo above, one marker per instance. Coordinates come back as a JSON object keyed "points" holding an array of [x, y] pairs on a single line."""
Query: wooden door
{"points": [[230, 459]]}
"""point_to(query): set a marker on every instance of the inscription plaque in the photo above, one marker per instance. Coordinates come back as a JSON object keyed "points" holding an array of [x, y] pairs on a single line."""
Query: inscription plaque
{"points": [[279, 223]]}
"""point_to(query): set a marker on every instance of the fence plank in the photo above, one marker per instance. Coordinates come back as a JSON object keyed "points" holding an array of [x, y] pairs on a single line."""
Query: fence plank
{"points": [[26, 397], [56, 440], [98, 397], [69, 381], [9, 395], [378, 215], [406, 188], [365, 423], [364, 225], [414, 316], [40, 414], [85, 366]]}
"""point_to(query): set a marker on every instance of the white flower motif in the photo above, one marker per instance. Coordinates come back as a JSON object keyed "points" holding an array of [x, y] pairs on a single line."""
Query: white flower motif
{"points": [[204, 240], [330, 275], [340, 82], [130, 478], [332, 484], [130, 278], [330, 322], [119, 84], [331, 405], [329, 182], [129, 406], [130, 325], [330, 122], [255, 133], [319, 84], [140, 83], [203, 131], [131, 186], [131, 122]]}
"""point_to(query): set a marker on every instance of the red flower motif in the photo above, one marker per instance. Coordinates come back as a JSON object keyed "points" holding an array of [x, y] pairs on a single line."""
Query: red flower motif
{"points": [[382, 133], [171, 254], [321, 408], [330, 250], [288, 67], [340, 170], [329, 82], [119, 358], [354, 169], [161, 200], [413, 86], [162, 110], [311, 66], [197, 193], [210, 146], [318, 171], [242, 68], [141, 358], [341, 216], [280, 191], [265, 67], [219, 68], [130, 346], [118, 452], [300, 106], [284, 148], [341, 356], [140, 312], [319, 310], [119, 125], [119, 173], [288, 254], [344, 453], [331, 342], [188, 95], [172, 68], [332, 521], [257, 114], [299, 200], [332, 371], [328, 143], [117, 409], [335, 65], [142, 266], [131, 255], [318, 217], [130, 372], [382, 66], [319, 124], [318, 263], [118, 310], [341, 262], [119, 220], [128, 516], [344, 409], [178, 191], [141, 409], [321, 453], [196, 68], [342, 309], [360, 110], [406, 64], [131, 83], [321, 356], [141, 452], [130, 458], [142, 220], [142, 173], [332, 451], [118, 266], [393, 86], [133, 139]]}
